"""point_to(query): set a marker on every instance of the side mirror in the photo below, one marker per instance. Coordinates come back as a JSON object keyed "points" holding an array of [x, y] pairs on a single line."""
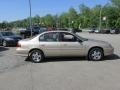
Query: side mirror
{"points": [[80, 41]]}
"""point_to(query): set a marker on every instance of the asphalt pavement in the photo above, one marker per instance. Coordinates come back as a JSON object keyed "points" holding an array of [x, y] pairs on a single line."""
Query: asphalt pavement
{"points": [[61, 73]]}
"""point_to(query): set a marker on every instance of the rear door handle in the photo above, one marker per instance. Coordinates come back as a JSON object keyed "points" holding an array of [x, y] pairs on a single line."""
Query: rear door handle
{"points": [[64, 44]]}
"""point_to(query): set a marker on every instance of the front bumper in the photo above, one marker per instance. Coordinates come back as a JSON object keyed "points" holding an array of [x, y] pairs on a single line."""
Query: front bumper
{"points": [[12, 42], [108, 51]]}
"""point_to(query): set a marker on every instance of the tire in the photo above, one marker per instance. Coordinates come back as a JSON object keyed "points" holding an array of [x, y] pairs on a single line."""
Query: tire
{"points": [[95, 54], [36, 56], [4, 43]]}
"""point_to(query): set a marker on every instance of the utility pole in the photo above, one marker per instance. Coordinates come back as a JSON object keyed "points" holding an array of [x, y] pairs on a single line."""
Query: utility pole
{"points": [[69, 22], [30, 19], [100, 17]]}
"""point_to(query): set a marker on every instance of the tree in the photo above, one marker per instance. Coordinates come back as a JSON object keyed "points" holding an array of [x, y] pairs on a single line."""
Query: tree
{"points": [[116, 3], [4, 24], [72, 17], [63, 20], [84, 16], [36, 20], [56, 21], [49, 20]]}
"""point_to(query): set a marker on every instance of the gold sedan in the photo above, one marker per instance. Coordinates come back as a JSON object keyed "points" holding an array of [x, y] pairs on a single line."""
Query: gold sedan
{"points": [[62, 43]]}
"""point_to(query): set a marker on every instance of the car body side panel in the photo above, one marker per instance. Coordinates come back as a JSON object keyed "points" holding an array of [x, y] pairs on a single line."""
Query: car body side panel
{"points": [[72, 49], [106, 50], [50, 48]]}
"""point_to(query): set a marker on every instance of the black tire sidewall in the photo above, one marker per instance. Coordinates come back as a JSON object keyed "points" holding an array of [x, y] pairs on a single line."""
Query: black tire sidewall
{"points": [[90, 52]]}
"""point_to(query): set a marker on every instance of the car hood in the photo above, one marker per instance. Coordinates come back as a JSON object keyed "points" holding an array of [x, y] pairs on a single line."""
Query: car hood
{"points": [[96, 42], [13, 37]]}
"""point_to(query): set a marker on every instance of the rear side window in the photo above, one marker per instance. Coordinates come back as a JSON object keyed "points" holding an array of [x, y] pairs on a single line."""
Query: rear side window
{"points": [[49, 37]]}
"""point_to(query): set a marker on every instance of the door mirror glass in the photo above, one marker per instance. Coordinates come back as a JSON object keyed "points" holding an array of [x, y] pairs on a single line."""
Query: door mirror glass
{"points": [[80, 41]]}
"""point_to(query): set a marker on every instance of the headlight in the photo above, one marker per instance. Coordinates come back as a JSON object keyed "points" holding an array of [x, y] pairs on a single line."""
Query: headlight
{"points": [[110, 46], [107, 45]]}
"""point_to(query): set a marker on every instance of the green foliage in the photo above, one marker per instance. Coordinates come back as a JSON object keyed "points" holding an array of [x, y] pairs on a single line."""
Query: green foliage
{"points": [[85, 17], [63, 20], [116, 3], [49, 20], [73, 16]]}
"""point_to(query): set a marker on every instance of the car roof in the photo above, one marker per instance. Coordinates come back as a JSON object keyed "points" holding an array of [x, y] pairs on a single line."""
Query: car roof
{"points": [[58, 31], [5, 31]]}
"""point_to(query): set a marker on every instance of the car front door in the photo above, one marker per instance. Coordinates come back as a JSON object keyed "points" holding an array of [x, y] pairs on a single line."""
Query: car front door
{"points": [[49, 42], [70, 46]]}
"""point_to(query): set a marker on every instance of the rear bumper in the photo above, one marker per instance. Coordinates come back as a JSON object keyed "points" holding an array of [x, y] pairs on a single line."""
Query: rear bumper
{"points": [[22, 52]]}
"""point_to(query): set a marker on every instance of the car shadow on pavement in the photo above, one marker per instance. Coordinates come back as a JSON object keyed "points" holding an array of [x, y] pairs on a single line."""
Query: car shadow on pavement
{"points": [[67, 59], [61, 59], [112, 57], [2, 49]]}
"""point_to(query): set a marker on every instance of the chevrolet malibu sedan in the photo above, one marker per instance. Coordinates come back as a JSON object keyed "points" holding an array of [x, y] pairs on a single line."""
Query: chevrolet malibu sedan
{"points": [[62, 43]]}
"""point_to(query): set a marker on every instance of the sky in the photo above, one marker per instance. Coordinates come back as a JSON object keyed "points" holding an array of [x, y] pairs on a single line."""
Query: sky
{"points": [[11, 10]]}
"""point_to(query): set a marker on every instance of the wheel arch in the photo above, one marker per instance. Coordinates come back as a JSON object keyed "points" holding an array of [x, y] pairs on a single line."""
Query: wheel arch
{"points": [[95, 47], [36, 49]]}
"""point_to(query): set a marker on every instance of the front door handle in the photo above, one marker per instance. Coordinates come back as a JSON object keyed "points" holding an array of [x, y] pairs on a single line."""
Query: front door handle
{"points": [[43, 45]]}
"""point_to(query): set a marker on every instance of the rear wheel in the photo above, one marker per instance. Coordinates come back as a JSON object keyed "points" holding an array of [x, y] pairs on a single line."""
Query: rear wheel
{"points": [[95, 54], [36, 56]]}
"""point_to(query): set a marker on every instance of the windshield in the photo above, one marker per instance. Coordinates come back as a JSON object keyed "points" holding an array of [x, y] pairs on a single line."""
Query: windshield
{"points": [[36, 28], [81, 38], [7, 33]]}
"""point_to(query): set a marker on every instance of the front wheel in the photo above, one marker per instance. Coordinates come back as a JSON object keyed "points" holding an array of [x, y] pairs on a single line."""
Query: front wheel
{"points": [[4, 43], [95, 54], [36, 56]]}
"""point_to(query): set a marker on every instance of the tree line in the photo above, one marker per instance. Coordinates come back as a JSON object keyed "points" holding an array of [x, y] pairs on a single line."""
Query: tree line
{"points": [[85, 17]]}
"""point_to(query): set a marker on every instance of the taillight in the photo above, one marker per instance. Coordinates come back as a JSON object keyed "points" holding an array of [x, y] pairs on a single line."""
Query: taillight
{"points": [[18, 45]]}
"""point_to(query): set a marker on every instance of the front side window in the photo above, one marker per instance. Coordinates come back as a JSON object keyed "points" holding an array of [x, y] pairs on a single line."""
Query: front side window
{"points": [[49, 37], [67, 37]]}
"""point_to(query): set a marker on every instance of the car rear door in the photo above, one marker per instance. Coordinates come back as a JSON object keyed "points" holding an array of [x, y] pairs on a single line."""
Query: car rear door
{"points": [[70, 46], [49, 42]]}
